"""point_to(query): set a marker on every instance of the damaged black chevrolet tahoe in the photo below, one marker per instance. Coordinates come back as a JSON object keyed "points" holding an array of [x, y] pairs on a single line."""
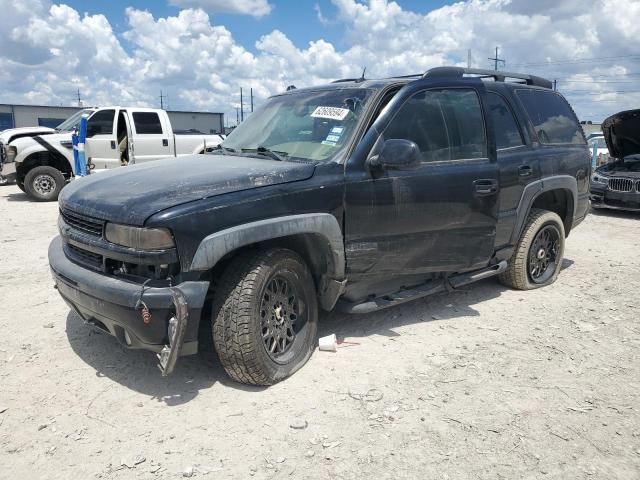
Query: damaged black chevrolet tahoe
{"points": [[357, 195]]}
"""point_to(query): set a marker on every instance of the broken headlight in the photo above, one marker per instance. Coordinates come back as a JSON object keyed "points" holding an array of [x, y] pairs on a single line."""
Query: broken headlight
{"points": [[598, 179], [139, 238]]}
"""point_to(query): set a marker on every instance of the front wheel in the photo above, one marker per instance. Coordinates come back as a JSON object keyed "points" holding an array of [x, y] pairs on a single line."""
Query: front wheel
{"points": [[44, 183], [538, 256], [264, 316]]}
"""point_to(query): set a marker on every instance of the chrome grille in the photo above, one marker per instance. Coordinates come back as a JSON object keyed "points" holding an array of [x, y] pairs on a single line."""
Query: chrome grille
{"points": [[620, 184], [85, 224], [84, 257]]}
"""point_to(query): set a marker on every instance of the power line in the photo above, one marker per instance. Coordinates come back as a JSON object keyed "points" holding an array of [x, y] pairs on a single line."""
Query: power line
{"points": [[574, 61]]}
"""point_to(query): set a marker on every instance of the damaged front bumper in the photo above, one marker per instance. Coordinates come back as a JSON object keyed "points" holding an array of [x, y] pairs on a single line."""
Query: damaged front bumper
{"points": [[601, 196], [163, 320]]}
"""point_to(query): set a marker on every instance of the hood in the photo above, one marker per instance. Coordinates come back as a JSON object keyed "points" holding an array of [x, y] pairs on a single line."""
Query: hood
{"points": [[12, 133], [622, 133], [629, 167], [132, 194]]}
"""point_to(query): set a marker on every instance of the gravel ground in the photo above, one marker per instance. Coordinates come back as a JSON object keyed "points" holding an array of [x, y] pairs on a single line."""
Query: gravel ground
{"points": [[481, 383]]}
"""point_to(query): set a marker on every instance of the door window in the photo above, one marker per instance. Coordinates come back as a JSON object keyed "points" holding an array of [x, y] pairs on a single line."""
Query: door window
{"points": [[101, 123], [505, 126], [147, 123], [445, 124], [552, 118]]}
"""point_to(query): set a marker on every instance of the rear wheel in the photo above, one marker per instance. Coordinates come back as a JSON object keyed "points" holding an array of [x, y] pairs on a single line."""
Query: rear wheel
{"points": [[44, 183], [538, 256], [264, 316]]}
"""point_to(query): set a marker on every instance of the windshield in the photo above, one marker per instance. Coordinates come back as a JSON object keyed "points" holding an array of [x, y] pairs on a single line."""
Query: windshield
{"points": [[313, 126], [599, 142], [72, 122]]}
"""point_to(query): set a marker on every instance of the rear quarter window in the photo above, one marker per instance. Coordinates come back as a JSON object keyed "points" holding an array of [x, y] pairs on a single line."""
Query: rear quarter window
{"points": [[553, 120]]}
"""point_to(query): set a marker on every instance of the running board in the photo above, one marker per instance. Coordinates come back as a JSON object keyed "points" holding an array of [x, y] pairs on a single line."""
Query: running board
{"points": [[429, 288]]}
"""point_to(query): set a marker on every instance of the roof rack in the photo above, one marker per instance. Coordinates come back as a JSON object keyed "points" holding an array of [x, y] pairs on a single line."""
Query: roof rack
{"points": [[344, 80], [497, 75]]}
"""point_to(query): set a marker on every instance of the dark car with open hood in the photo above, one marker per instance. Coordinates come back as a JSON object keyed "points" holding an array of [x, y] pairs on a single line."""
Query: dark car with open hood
{"points": [[617, 183], [358, 195]]}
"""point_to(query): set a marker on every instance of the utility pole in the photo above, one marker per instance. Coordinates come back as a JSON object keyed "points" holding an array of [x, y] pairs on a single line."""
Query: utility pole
{"points": [[79, 100], [237, 116], [496, 59], [469, 58], [241, 107], [251, 92], [162, 100]]}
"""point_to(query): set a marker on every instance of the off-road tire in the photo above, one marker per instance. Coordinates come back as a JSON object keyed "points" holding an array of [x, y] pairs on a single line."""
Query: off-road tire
{"points": [[517, 273], [52, 176], [236, 322]]}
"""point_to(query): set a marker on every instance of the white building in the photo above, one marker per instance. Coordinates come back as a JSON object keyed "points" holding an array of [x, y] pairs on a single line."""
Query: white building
{"points": [[12, 116]]}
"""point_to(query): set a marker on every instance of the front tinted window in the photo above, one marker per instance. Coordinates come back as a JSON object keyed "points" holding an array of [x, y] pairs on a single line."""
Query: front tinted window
{"points": [[101, 123], [504, 123], [552, 118], [445, 124], [147, 123], [312, 125]]}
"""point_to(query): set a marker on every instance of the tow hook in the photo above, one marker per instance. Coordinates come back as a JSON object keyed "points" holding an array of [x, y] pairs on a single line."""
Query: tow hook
{"points": [[169, 354]]}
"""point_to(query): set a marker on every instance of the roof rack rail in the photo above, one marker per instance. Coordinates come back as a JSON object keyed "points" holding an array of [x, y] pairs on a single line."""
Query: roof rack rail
{"points": [[497, 75], [343, 80]]}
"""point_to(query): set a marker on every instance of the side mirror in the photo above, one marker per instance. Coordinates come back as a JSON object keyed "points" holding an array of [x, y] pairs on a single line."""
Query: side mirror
{"points": [[397, 154]]}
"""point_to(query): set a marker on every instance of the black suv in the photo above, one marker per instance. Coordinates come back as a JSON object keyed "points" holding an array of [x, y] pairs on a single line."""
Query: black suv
{"points": [[357, 195], [617, 184]]}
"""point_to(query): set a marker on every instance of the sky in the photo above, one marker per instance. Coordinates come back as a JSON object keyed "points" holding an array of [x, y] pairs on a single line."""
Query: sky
{"points": [[200, 52]]}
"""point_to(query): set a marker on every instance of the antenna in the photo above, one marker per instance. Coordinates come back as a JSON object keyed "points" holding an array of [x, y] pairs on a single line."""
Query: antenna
{"points": [[362, 79], [497, 60], [251, 91], [241, 107]]}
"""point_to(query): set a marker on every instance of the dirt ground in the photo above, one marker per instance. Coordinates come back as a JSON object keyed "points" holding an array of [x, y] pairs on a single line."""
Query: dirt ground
{"points": [[484, 383]]}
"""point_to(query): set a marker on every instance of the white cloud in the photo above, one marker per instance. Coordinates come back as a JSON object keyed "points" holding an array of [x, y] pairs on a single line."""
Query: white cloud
{"points": [[256, 8], [47, 51]]}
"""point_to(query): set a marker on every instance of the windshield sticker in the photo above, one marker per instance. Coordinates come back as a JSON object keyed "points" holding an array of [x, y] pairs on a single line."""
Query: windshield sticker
{"points": [[333, 113], [337, 130]]}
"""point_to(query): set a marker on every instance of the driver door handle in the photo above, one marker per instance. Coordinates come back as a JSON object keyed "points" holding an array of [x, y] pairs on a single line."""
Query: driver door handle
{"points": [[524, 170], [485, 187]]}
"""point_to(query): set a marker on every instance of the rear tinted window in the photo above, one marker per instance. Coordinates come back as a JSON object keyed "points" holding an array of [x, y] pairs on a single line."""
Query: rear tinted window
{"points": [[552, 118], [147, 123], [504, 123], [445, 124]]}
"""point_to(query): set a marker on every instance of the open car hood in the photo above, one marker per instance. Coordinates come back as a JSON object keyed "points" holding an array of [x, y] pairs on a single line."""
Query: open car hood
{"points": [[622, 133]]}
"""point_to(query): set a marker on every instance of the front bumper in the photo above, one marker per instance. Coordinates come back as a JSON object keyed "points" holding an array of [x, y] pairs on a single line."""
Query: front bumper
{"points": [[601, 196], [8, 170], [113, 304]]}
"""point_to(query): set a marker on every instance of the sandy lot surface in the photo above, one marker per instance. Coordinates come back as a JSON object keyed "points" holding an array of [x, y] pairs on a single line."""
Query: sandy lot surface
{"points": [[483, 383]]}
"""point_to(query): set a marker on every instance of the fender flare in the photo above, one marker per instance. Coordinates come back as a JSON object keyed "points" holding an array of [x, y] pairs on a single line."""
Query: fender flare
{"points": [[534, 189], [324, 225]]}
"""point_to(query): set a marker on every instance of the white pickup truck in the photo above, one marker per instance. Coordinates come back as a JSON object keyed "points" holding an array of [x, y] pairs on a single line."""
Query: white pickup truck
{"points": [[116, 136]]}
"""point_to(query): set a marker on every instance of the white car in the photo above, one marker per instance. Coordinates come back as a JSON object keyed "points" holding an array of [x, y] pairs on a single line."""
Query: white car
{"points": [[116, 136]]}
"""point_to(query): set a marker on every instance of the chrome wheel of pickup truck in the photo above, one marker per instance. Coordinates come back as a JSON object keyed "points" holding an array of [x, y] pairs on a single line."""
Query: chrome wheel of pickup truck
{"points": [[264, 316], [44, 183], [538, 255]]}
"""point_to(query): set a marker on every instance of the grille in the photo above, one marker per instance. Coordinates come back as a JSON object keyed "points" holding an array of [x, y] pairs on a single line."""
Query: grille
{"points": [[89, 225], [85, 257], [638, 186], [1, 153], [620, 184]]}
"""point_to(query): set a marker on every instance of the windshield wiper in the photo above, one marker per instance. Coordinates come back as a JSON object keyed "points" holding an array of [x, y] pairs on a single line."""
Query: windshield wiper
{"points": [[223, 150], [280, 156]]}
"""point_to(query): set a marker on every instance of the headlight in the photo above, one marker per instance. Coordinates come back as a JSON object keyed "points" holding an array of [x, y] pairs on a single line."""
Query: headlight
{"points": [[598, 179], [139, 238], [11, 152]]}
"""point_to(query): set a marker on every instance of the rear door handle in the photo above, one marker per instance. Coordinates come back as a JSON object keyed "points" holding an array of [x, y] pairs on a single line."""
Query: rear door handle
{"points": [[165, 142], [525, 171], [113, 144], [485, 187]]}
